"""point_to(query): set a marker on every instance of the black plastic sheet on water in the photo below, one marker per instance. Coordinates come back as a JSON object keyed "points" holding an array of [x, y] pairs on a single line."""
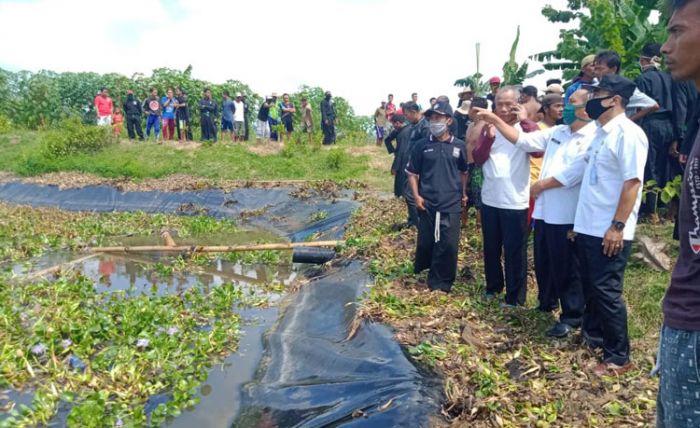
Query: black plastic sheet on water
{"points": [[311, 374]]}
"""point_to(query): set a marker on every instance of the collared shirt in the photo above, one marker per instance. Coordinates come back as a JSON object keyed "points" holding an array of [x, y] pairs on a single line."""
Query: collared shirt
{"points": [[439, 166], [564, 153], [506, 175], [617, 154]]}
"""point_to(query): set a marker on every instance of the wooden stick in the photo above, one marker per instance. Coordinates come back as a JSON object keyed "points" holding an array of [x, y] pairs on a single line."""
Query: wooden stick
{"points": [[56, 268], [213, 249]]}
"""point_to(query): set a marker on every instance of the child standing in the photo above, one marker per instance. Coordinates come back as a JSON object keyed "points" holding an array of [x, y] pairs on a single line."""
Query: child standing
{"points": [[117, 122]]}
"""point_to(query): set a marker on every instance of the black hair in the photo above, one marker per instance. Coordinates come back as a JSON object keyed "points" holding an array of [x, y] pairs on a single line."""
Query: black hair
{"points": [[152, 89], [411, 106], [480, 102], [675, 5], [285, 94], [553, 82], [651, 50], [609, 58], [529, 90], [398, 118], [225, 92], [433, 99], [414, 94], [390, 95], [102, 89], [206, 89], [304, 99]]}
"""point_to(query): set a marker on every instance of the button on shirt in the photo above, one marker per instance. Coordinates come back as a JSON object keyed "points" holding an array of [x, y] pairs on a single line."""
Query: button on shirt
{"points": [[564, 153], [617, 153], [439, 166], [506, 175]]}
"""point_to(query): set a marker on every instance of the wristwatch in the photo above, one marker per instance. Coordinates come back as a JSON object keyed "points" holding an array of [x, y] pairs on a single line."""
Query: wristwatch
{"points": [[618, 225]]}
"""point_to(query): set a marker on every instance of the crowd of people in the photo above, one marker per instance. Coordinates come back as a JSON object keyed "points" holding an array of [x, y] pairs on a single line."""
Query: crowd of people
{"points": [[568, 168], [171, 114]]}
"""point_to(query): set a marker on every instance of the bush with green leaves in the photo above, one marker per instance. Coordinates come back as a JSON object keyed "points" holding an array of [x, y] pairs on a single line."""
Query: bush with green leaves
{"points": [[74, 137], [5, 125]]}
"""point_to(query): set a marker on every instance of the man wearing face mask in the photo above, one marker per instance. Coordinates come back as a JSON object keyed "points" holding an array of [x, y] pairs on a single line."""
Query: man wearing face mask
{"points": [[606, 217], [556, 194], [437, 174], [659, 126], [328, 119]]}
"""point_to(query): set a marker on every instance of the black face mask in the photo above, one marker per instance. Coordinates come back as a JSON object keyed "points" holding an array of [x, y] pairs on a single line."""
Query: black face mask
{"points": [[595, 108], [328, 97]]}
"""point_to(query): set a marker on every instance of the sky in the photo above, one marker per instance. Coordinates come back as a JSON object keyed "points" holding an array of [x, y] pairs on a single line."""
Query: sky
{"points": [[359, 49]]}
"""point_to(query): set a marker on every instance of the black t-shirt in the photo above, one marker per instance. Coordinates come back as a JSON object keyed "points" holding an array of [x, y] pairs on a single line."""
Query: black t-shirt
{"points": [[264, 113], [182, 112], [681, 305], [440, 166]]}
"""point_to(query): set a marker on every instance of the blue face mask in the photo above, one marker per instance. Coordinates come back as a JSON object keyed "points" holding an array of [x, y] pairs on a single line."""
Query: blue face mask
{"points": [[569, 115]]}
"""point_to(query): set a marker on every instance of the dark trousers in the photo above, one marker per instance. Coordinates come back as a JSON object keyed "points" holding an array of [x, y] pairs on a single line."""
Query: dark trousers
{"points": [[440, 256], [208, 128], [558, 272], [246, 131], [328, 132], [605, 317], [505, 230], [413, 218], [187, 129], [660, 134], [133, 127]]}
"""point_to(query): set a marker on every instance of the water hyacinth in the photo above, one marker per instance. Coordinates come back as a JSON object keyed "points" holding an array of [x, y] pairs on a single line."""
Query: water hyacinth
{"points": [[172, 331], [142, 343], [119, 423], [39, 349], [66, 343]]}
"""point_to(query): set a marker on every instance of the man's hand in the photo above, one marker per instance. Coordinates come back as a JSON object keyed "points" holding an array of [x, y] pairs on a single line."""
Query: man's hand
{"points": [[536, 189], [486, 115], [673, 150], [490, 130], [465, 200], [520, 112], [612, 242], [420, 202], [683, 159]]}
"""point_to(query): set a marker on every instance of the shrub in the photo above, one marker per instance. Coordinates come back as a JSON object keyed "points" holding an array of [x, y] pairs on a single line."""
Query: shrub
{"points": [[335, 159], [73, 137], [5, 125]]}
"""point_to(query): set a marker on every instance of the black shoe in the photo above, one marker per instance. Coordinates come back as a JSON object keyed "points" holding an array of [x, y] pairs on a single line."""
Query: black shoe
{"points": [[560, 329]]}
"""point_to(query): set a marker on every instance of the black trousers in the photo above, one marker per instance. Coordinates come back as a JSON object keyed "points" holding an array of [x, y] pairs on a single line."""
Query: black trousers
{"points": [[246, 131], [187, 129], [208, 128], [558, 272], [328, 132], [413, 218], [605, 317], [133, 127], [505, 230], [441, 256], [660, 134]]}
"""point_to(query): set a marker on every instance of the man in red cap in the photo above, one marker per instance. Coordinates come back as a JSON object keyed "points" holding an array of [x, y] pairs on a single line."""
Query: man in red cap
{"points": [[495, 84]]}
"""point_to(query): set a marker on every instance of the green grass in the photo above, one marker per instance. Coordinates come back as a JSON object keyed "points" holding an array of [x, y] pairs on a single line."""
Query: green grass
{"points": [[22, 153]]}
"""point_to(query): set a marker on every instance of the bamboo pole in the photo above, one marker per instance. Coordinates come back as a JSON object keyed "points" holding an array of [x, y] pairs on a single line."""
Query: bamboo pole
{"points": [[213, 248], [55, 268]]}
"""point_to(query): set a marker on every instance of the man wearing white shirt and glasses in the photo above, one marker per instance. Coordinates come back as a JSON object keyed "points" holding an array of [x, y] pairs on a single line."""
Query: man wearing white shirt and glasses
{"points": [[556, 196], [606, 217]]}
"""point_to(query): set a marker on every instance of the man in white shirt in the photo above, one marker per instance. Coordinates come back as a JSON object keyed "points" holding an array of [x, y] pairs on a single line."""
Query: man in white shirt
{"points": [[238, 117], [606, 217], [505, 197], [556, 195]]}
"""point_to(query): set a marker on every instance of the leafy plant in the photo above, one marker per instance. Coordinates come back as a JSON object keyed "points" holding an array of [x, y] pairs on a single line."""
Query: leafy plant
{"points": [[672, 190], [474, 81], [514, 73], [319, 215], [74, 137], [335, 159]]}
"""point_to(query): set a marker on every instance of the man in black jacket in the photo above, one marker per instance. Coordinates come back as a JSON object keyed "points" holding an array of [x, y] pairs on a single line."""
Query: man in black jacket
{"points": [[182, 116], [208, 110], [402, 151], [132, 111], [328, 117]]}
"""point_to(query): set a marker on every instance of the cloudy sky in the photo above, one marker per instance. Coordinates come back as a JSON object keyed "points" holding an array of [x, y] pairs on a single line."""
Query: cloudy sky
{"points": [[359, 49]]}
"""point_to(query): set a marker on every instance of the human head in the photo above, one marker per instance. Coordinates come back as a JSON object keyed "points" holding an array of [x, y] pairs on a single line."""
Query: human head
{"points": [[274, 96], [226, 94], [554, 88], [304, 100], [552, 107], [154, 92], [328, 95], [169, 92], [553, 82], [129, 92], [682, 48], [466, 94], [383, 104], [414, 97], [477, 102], [650, 56], [495, 84], [433, 100], [238, 96], [607, 62], [441, 114], [398, 121], [506, 100], [577, 105], [588, 67], [527, 94], [104, 92], [412, 112], [609, 97], [390, 97], [178, 91], [285, 98], [207, 93]]}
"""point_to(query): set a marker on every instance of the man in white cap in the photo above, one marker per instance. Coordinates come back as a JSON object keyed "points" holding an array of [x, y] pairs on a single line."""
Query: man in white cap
{"points": [[586, 76]]}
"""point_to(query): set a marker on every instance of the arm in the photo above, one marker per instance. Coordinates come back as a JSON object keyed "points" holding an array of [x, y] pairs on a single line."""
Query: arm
{"points": [[644, 112], [389, 139], [613, 238], [545, 184], [413, 183], [482, 150]]}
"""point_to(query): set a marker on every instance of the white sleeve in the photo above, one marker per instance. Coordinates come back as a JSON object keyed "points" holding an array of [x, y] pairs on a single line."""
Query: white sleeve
{"points": [[640, 100], [534, 142], [632, 149]]}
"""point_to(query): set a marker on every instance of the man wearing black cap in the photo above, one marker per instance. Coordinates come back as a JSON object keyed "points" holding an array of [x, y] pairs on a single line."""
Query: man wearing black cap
{"points": [[437, 172], [659, 126], [606, 217], [677, 404]]}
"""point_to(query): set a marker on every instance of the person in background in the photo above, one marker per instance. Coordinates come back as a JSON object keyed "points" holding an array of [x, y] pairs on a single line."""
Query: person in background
{"points": [[274, 118], [414, 98], [476, 175], [307, 120], [133, 111], [437, 174], [401, 133], [328, 117], [207, 116], [182, 116], [152, 107], [117, 122], [504, 196], [677, 402], [227, 108], [586, 76], [528, 99], [418, 130], [380, 122], [554, 89], [552, 111], [433, 100], [467, 94], [238, 117], [606, 218], [246, 116], [287, 108], [659, 126], [262, 130], [168, 103], [390, 107], [104, 108], [495, 85], [461, 118]]}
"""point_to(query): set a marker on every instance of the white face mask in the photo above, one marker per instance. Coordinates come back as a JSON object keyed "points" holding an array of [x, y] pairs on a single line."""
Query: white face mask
{"points": [[438, 128]]}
